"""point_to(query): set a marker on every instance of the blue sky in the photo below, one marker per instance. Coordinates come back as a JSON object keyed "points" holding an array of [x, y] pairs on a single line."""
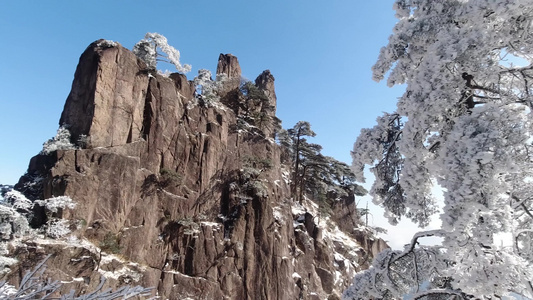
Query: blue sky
{"points": [[320, 53]]}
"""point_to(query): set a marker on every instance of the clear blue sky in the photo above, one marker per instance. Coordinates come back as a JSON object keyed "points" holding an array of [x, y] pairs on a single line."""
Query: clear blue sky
{"points": [[320, 53]]}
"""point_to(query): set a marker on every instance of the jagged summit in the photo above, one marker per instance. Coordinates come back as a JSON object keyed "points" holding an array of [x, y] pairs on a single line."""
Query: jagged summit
{"points": [[229, 64], [185, 190]]}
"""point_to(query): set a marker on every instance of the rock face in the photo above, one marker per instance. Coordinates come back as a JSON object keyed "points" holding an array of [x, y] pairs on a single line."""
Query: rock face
{"points": [[188, 199]]}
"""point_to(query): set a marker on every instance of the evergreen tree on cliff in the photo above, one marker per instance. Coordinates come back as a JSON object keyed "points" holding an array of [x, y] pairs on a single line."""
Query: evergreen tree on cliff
{"points": [[465, 122], [314, 174], [295, 140]]}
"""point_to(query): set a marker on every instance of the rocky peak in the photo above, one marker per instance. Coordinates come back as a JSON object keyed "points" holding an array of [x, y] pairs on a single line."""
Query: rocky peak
{"points": [[229, 64], [265, 82], [106, 99], [190, 199]]}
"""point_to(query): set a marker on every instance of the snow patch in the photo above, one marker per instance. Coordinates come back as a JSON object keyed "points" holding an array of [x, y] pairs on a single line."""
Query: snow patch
{"points": [[215, 225], [107, 44], [278, 214]]}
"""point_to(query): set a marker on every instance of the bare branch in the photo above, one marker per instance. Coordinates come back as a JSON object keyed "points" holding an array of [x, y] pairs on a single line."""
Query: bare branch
{"points": [[439, 292]]}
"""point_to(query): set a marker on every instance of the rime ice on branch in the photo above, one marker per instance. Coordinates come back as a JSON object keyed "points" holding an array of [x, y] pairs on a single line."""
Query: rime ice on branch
{"points": [[466, 124], [146, 49]]}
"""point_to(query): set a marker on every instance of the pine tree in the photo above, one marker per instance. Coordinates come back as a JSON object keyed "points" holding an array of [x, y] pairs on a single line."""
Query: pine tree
{"points": [[313, 174], [301, 152]]}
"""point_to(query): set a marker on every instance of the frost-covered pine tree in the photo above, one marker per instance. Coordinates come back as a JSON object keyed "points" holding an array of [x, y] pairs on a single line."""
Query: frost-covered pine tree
{"points": [[207, 89], [464, 122], [59, 142], [147, 50]]}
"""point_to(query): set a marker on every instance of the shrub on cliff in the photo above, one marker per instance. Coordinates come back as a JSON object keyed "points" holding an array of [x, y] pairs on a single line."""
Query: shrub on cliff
{"points": [[207, 89], [59, 142], [169, 178]]}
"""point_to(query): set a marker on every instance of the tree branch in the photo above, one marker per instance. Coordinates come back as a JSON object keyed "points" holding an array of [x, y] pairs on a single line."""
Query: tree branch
{"points": [[414, 240], [521, 203], [438, 292]]}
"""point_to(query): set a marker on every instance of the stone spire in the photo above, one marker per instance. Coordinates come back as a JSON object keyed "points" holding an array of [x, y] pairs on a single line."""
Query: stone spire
{"points": [[265, 82], [229, 64]]}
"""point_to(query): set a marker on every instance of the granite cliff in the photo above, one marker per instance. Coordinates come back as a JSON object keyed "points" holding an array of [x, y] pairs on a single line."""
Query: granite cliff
{"points": [[182, 194]]}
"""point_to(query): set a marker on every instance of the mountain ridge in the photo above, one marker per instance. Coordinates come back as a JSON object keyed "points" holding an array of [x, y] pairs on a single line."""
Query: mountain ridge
{"points": [[184, 192]]}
